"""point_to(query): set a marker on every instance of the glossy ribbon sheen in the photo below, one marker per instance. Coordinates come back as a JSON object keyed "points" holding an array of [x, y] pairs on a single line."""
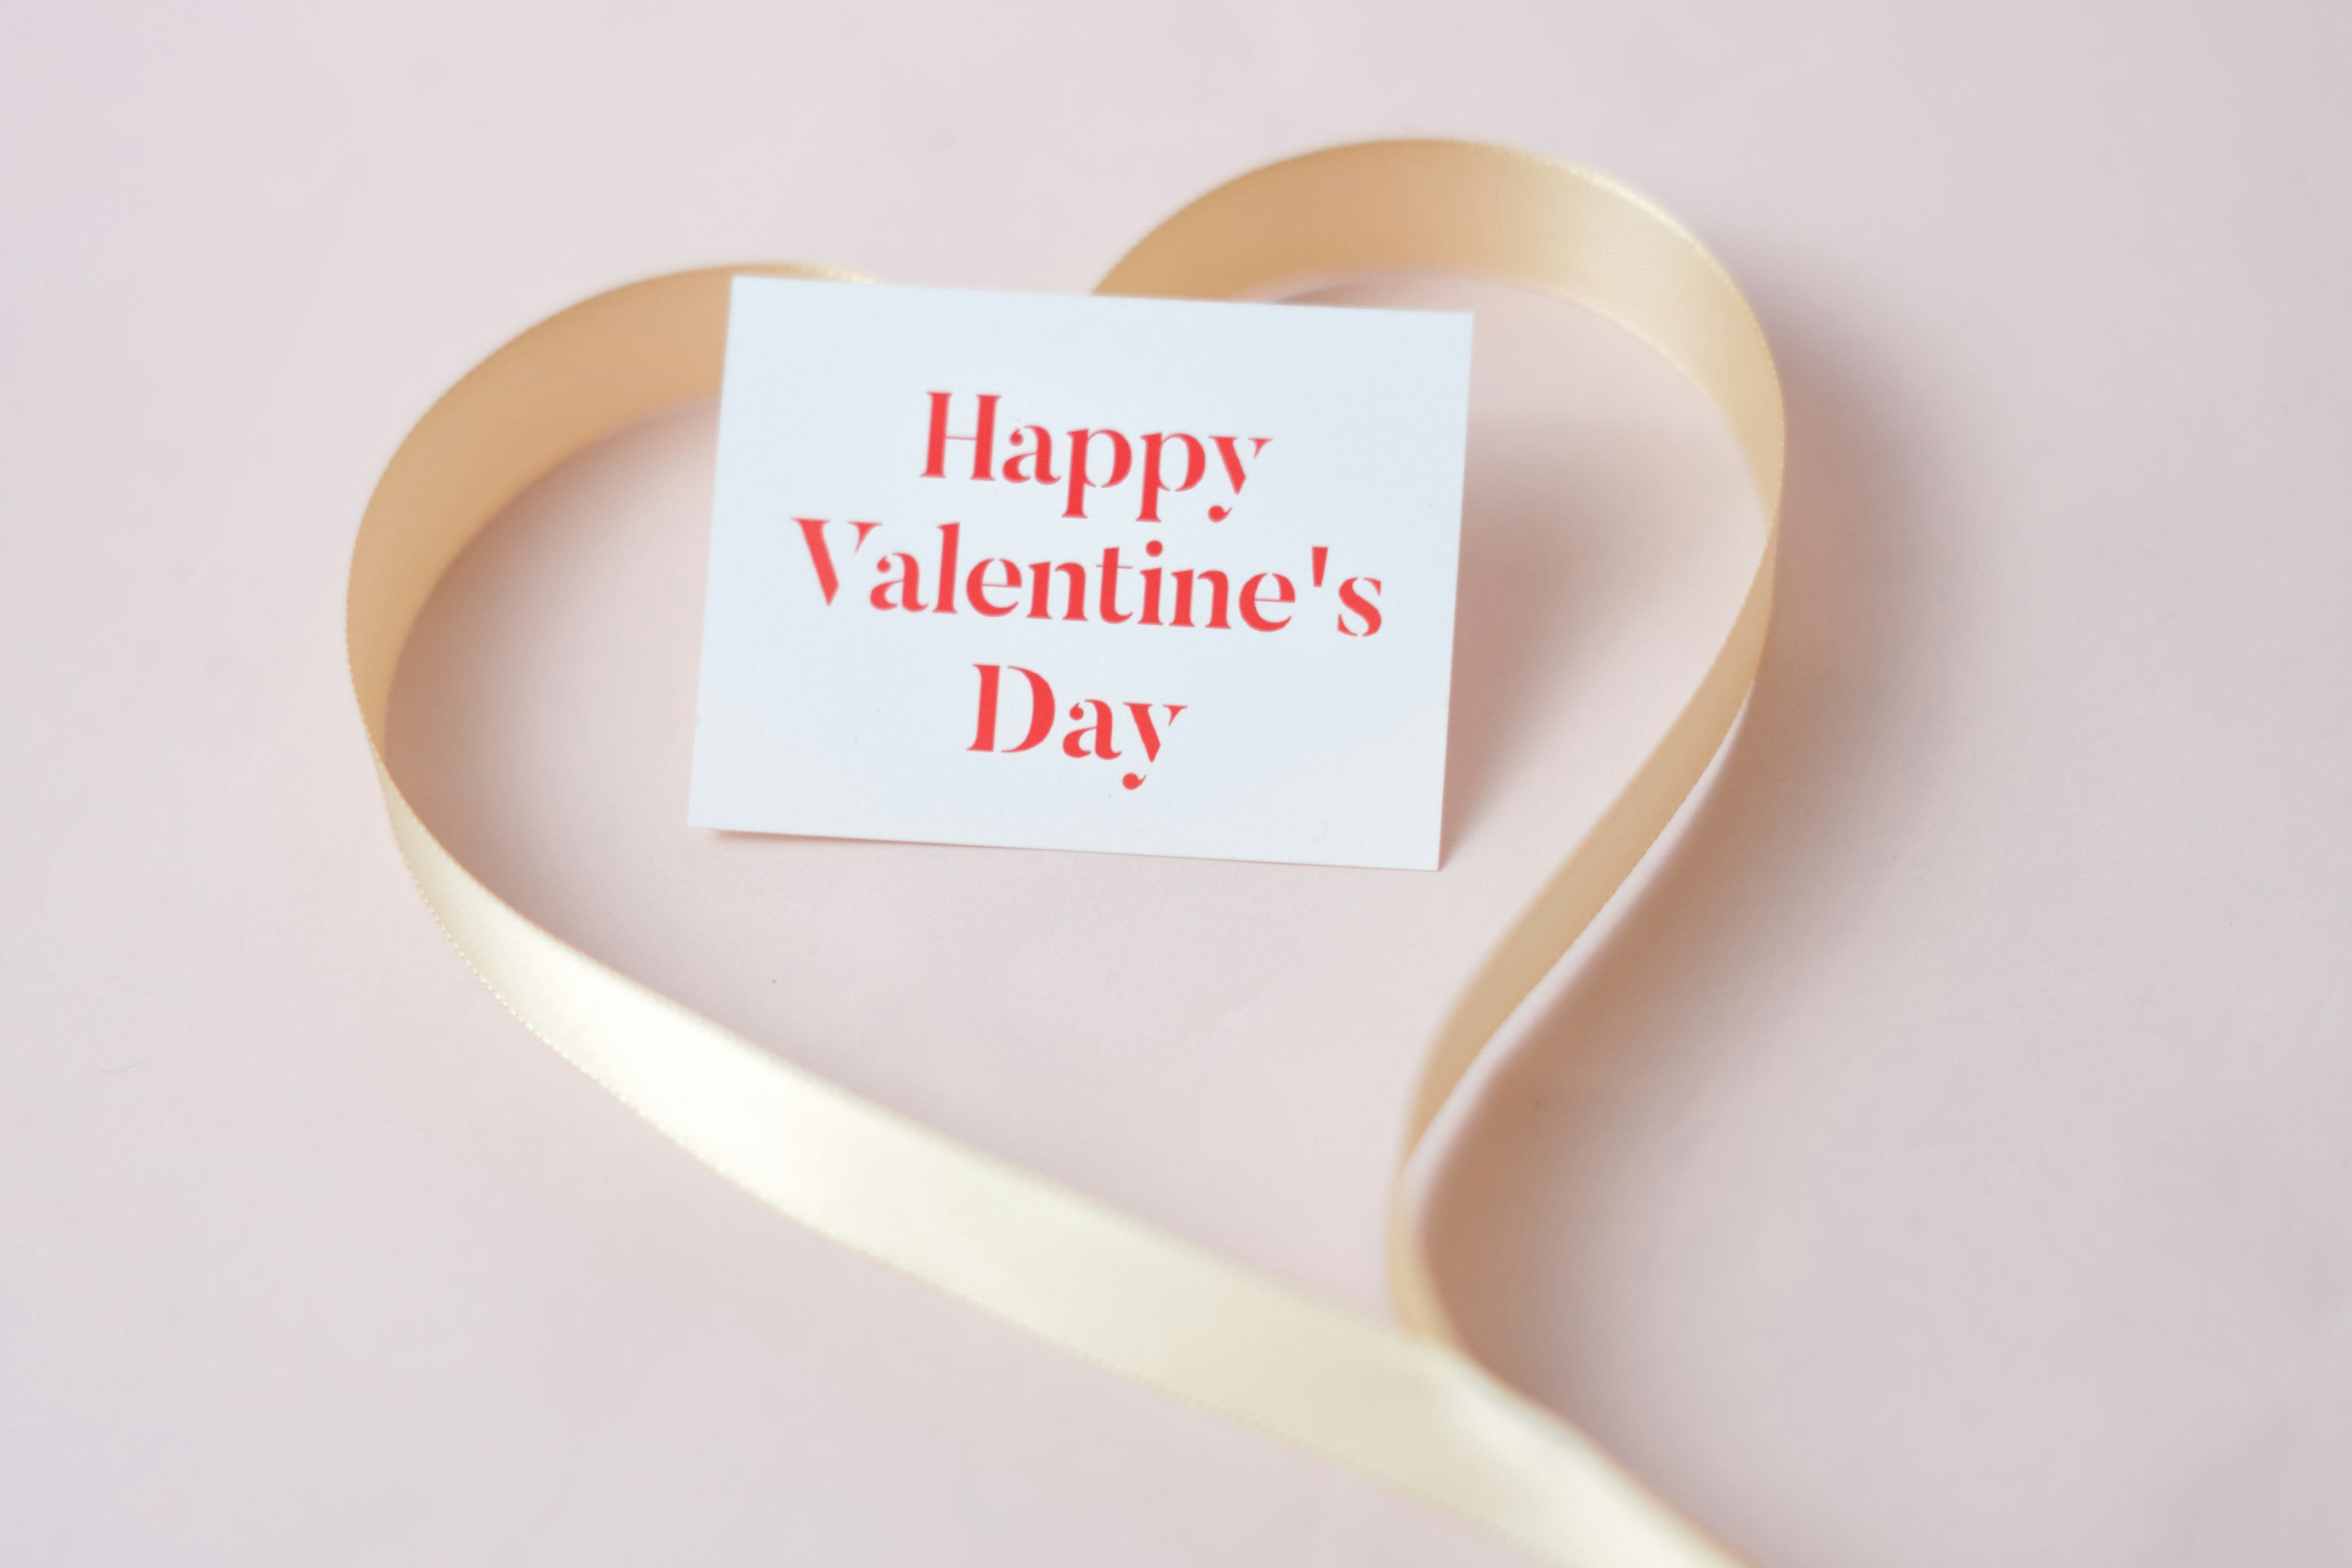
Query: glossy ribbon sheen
{"points": [[1404, 1404]]}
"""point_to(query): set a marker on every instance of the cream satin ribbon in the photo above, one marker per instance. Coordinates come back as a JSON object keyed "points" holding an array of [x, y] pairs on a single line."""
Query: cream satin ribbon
{"points": [[1404, 1404]]}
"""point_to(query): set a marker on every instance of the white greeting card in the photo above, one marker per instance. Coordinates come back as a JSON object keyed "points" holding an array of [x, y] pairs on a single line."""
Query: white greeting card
{"points": [[1155, 576]]}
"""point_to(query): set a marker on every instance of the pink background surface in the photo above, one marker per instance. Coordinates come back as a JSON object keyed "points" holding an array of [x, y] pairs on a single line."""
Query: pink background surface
{"points": [[1943, 1159]]}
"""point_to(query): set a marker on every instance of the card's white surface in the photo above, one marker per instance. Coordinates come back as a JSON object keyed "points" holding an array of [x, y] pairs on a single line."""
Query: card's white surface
{"points": [[1310, 730]]}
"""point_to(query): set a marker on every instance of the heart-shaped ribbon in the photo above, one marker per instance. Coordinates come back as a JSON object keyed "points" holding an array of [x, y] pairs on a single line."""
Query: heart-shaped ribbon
{"points": [[1404, 1404]]}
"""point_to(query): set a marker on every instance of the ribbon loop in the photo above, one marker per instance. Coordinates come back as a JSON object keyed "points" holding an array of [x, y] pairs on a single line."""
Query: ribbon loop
{"points": [[1407, 1406]]}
